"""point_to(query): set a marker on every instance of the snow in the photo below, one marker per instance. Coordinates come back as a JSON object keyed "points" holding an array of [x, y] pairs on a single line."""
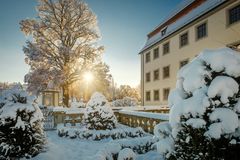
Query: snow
{"points": [[161, 116], [196, 122], [126, 154], [223, 87], [226, 121], [72, 149], [186, 19]]}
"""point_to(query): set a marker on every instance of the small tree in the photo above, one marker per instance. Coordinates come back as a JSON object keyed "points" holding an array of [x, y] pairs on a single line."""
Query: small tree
{"points": [[21, 127], [205, 107], [98, 113]]}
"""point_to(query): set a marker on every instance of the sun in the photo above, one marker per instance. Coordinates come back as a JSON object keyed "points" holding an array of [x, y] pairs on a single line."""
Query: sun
{"points": [[88, 76]]}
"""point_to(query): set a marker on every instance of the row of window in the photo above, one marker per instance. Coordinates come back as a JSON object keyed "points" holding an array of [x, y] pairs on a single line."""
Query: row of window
{"points": [[156, 95], [165, 71], [201, 32]]}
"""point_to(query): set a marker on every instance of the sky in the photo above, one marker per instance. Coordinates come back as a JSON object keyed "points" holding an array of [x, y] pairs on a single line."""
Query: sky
{"points": [[124, 25]]}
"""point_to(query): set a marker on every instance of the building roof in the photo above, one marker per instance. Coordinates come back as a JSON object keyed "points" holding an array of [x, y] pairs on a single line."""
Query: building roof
{"points": [[192, 15]]}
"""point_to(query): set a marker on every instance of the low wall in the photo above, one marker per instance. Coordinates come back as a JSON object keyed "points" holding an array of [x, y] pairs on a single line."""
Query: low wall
{"points": [[145, 120]]}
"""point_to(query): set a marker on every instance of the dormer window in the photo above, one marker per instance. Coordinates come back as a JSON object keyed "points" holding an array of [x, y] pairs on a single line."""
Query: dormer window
{"points": [[163, 31]]}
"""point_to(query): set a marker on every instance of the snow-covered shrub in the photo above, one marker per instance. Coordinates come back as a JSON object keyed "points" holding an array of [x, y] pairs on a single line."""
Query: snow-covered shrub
{"points": [[117, 133], [98, 113], [126, 154], [126, 101], [21, 129], [165, 144], [205, 108], [77, 104]]}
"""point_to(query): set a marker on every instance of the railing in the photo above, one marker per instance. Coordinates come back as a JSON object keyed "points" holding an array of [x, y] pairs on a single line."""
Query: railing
{"points": [[145, 120]]}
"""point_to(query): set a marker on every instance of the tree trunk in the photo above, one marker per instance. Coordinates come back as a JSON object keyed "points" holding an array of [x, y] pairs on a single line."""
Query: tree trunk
{"points": [[66, 95]]}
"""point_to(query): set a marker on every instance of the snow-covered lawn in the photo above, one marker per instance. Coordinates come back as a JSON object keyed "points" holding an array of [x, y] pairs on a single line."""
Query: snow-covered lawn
{"points": [[76, 149]]}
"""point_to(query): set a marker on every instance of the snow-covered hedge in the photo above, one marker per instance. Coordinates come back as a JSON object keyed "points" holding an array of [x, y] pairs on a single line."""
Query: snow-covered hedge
{"points": [[126, 101], [21, 127], [205, 107], [99, 115], [116, 148], [77, 104], [117, 133]]}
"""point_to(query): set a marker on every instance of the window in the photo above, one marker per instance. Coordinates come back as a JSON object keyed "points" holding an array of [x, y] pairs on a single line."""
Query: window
{"points": [[166, 72], [234, 14], [201, 31], [156, 74], [165, 93], [156, 53], [148, 77], [148, 57], [148, 96], [183, 63], [184, 39], [164, 30], [156, 95], [166, 48]]}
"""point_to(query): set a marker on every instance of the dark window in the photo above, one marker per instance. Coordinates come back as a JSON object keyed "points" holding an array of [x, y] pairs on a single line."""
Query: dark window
{"points": [[156, 95], [202, 31], [156, 53], [165, 93], [184, 39], [183, 63], [163, 32], [166, 72], [148, 57], [166, 48], [148, 96], [156, 74], [148, 77], [234, 14]]}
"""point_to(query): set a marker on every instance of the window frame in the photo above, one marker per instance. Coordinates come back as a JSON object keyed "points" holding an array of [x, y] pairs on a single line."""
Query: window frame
{"points": [[154, 56], [196, 31], [180, 66], [146, 59], [158, 97], [165, 98], [146, 94], [164, 76], [155, 79], [163, 48], [148, 73], [180, 39], [228, 15]]}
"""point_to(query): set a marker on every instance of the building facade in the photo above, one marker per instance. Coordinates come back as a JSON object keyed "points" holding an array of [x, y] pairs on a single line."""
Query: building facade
{"points": [[193, 26]]}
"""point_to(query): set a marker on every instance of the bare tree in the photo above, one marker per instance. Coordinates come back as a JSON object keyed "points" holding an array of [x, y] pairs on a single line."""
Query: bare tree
{"points": [[62, 45]]}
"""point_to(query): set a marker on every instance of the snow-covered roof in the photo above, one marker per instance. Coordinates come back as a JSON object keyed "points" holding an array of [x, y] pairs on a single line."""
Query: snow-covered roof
{"points": [[184, 20]]}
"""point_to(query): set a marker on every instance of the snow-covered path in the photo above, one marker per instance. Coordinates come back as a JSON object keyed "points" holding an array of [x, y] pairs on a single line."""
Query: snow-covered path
{"points": [[69, 149], [60, 148]]}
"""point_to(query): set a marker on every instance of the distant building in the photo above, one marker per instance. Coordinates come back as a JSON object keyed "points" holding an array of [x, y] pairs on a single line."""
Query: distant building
{"points": [[193, 26]]}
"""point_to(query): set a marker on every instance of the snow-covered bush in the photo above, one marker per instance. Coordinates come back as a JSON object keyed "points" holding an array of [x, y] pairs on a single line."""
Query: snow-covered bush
{"points": [[77, 104], [205, 107], [165, 144], [21, 131], [126, 101], [126, 154], [99, 115]]}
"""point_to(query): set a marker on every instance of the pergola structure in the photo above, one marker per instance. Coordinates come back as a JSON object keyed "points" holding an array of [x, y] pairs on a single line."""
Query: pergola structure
{"points": [[50, 97]]}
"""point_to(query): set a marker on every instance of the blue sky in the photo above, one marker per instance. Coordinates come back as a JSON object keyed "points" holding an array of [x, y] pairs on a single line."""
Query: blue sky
{"points": [[124, 25]]}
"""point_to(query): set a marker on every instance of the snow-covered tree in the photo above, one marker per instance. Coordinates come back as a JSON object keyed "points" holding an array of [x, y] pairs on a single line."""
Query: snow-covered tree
{"points": [[21, 125], [205, 107], [98, 113], [63, 44]]}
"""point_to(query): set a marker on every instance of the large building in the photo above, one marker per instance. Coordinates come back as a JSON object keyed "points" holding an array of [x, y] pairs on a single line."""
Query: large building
{"points": [[193, 26]]}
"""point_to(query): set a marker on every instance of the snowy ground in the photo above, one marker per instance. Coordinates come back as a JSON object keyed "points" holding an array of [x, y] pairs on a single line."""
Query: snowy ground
{"points": [[72, 149]]}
